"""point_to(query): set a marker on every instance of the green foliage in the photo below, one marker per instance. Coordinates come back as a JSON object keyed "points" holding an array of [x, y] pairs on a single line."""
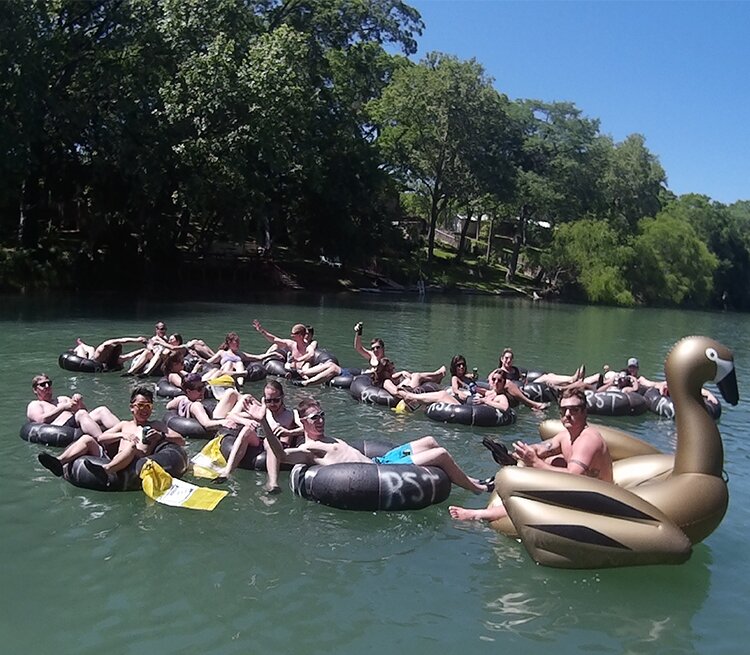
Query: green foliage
{"points": [[445, 134], [589, 254], [632, 183], [24, 270], [725, 232], [138, 131], [674, 266]]}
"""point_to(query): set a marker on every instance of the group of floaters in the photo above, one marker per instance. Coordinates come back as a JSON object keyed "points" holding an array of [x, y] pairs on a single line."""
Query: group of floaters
{"points": [[625, 503]]}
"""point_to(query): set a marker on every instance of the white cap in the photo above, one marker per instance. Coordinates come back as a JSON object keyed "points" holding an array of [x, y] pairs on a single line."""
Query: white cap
{"points": [[633, 362]]}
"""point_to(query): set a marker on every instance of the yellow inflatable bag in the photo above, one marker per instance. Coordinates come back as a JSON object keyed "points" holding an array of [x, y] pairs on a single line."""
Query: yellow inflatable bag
{"points": [[209, 460], [165, 489]]}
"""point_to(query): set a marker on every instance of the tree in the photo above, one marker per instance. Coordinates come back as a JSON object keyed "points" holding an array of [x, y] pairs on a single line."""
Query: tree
{"points": [[674, 266], [632, 183], [558, 167], [725, 231], [444, 133], [588, 255]]}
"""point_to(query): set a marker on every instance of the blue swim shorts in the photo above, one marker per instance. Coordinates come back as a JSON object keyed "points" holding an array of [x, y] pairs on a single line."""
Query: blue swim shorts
{"points": [[397, 455]]}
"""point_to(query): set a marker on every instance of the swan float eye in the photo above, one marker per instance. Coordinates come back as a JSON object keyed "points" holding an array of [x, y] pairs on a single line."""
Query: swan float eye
{"points": [[723, 366]]}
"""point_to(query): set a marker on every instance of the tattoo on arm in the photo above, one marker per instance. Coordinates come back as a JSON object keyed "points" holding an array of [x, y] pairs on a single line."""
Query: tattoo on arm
{"points": [[581, 464]]}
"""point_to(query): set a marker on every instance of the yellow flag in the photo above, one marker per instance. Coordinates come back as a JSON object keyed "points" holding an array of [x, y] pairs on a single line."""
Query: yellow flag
{"points": [[165, 489]]}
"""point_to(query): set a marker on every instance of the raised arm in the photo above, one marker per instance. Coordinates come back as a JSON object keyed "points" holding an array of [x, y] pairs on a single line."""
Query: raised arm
{"points": [[367, 354], [272, 337]]}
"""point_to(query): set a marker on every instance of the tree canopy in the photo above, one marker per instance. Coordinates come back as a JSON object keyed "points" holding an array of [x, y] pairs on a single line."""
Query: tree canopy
{"points": [[140, 132]]}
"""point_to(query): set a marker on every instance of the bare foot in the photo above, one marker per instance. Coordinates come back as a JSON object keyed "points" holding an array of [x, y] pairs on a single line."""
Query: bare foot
{"points": [[272, 489], [462, 514]]}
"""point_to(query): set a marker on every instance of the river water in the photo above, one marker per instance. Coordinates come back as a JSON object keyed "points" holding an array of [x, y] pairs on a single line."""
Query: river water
{"points": [[89, 572]]}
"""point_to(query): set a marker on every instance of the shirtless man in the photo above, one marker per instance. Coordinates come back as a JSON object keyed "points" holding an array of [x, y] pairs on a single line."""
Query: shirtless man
{"points": [[318, 448], [579, 449], [154, 346], [301, 351], [65, 410], [135, 439]]}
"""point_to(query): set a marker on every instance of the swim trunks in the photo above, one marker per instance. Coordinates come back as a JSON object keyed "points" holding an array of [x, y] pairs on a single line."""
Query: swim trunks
{"points": [[397, 455]]}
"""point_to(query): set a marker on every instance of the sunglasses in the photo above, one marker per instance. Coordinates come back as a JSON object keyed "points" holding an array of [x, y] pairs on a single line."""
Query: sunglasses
{"points": [[377, 347], [142, 405], [44, 384], [318, 416], [573, 409], [273, 400]]}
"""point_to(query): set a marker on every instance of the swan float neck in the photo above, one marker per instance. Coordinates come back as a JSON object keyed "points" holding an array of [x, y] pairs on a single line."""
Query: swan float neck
{"points": [[692, 362]]}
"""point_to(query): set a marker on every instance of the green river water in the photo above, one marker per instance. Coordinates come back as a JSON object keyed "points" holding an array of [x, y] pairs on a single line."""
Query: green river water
{"points": [[108, 573]]}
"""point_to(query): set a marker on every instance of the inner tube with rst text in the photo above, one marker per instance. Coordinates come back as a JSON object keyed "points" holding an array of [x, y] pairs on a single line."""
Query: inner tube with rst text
{"points": [[664, 407], [371, 487], [615, 403]]}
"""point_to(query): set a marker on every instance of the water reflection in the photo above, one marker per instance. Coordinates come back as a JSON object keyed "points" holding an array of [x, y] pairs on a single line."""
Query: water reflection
{"points": [[259, 574], [648, 609]]}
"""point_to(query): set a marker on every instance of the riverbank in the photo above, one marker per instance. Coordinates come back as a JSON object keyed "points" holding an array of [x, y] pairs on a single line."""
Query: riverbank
{"points": [[386, 275], [232, 270]]}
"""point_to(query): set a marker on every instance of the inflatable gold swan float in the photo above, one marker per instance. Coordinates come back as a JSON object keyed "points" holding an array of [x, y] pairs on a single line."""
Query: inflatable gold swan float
{"points": [[659, 505]]}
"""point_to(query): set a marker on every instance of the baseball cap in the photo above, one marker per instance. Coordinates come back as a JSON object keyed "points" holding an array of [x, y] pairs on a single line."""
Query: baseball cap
{"points": [[633, 362]]}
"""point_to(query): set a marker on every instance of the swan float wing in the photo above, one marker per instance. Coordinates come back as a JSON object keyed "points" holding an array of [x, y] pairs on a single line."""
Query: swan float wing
{"points": [[571, 521]]}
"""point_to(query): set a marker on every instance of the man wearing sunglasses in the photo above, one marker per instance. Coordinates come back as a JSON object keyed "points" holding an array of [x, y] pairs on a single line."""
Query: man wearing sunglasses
{"points": [[319, 448], [134, 439], [282, 423], [578, 449], [153, 346], [65, 410]]}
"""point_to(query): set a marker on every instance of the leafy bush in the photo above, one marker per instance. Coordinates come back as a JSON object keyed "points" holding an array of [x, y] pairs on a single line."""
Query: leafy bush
{"points": [[23, 269]]}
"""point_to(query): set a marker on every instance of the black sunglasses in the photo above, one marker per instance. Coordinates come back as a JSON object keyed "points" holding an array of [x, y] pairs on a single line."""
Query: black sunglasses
{"points": [[573, 409]]}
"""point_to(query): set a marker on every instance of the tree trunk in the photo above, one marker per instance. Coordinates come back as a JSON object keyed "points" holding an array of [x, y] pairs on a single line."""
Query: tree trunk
{"points": [[434, 213], [489, 239], [518, 240], [21, 214], [464, 230]]}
